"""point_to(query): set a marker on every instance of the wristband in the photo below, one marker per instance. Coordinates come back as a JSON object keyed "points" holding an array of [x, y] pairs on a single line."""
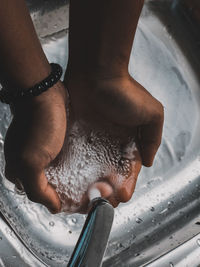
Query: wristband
{"points": [[8, 97]]}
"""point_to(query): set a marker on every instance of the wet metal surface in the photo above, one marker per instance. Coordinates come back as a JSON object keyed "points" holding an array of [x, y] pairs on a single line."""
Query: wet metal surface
{"points": [[164, 211], [186, 255], [49, 16]]}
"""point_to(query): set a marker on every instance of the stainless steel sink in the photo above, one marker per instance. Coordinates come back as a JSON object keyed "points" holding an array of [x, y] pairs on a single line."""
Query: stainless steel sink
{"points": [[163, 216]]}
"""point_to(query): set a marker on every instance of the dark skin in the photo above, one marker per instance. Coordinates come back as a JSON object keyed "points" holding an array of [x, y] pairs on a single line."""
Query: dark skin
{"points": [[100, 87], [37, 132]]}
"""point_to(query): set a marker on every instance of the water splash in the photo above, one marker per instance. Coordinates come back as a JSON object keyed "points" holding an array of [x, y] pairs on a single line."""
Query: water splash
{"points": [[90, 156]]}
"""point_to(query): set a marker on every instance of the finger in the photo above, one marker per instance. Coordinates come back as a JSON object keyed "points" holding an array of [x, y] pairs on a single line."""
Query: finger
{"points": [[39, 190], [36, 187], [150, 139], [29, 168], [114, 201], [125, 190]]}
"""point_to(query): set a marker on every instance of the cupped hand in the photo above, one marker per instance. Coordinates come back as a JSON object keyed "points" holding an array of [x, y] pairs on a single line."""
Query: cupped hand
{"points": [[33, 140], [123, 102]]}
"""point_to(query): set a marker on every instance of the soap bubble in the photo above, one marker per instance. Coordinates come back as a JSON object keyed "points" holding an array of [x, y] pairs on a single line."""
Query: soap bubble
{"points": [[89, 156]]}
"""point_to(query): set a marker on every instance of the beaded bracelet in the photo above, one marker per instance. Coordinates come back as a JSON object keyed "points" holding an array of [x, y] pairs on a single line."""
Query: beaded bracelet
{"points": [[9, 97]]}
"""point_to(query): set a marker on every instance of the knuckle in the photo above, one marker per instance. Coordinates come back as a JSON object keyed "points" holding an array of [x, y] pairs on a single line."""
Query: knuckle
{"points": [[114, 203], [34, 192], [31, 196], [157, 112], [31, 161], [158, 143], [125, 194], [126, 197], [160, 112], [114, 200]]}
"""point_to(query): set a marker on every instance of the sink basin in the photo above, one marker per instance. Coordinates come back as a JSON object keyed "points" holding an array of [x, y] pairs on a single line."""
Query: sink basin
{"points": [[163, 213]]}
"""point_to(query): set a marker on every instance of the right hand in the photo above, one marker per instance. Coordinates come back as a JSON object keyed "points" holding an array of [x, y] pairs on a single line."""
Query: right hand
{"points": [[124, 102]]}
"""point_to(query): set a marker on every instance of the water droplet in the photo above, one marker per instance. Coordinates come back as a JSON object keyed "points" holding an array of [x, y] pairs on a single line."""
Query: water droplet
{"points": [[171, 264], [88, 156], [138, 220], [70, 232], [170, 203], [51, 223], [136, 254], [1, 238], [74, 220], [153, 220], [198, 242], [163, 211], [152, 209], [133, 236]]}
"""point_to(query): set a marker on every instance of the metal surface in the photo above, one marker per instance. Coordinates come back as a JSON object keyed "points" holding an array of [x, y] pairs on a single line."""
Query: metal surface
{"points": [[164, 210], [49, 16], [93, 240], [12, 251], [186, 255]]}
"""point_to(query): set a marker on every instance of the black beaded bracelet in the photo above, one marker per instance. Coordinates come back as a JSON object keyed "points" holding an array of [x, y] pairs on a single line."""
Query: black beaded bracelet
{"points": [[8, 97]]}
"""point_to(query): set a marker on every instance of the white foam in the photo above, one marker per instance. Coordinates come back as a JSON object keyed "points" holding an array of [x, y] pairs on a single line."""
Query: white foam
{"points": [[88, 157], [93, 193]]}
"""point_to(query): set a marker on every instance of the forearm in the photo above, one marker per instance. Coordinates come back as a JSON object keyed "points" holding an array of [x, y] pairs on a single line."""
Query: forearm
{"points": [[101, 36], [23, 62]]}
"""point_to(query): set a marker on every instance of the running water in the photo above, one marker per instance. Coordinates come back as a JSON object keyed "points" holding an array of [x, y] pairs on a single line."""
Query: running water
{"points": [[89, 156]]}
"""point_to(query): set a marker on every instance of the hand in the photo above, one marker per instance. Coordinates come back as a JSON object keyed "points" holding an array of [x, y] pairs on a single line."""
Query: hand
{"points": [[123, 102], [34, 139]]}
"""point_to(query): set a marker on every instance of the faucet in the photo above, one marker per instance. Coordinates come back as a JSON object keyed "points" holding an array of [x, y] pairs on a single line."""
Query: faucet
{"points": [[91, 245]]}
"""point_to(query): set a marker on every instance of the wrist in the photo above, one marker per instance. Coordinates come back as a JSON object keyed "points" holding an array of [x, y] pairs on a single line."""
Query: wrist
{"points": [[56, 95], [94, 76], [11, 96], [25, 78]]}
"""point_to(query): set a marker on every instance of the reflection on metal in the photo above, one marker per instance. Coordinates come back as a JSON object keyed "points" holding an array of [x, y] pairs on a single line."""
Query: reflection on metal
{"points": [[187, 254], [93, 240], [164, 211], [12, 250]]}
